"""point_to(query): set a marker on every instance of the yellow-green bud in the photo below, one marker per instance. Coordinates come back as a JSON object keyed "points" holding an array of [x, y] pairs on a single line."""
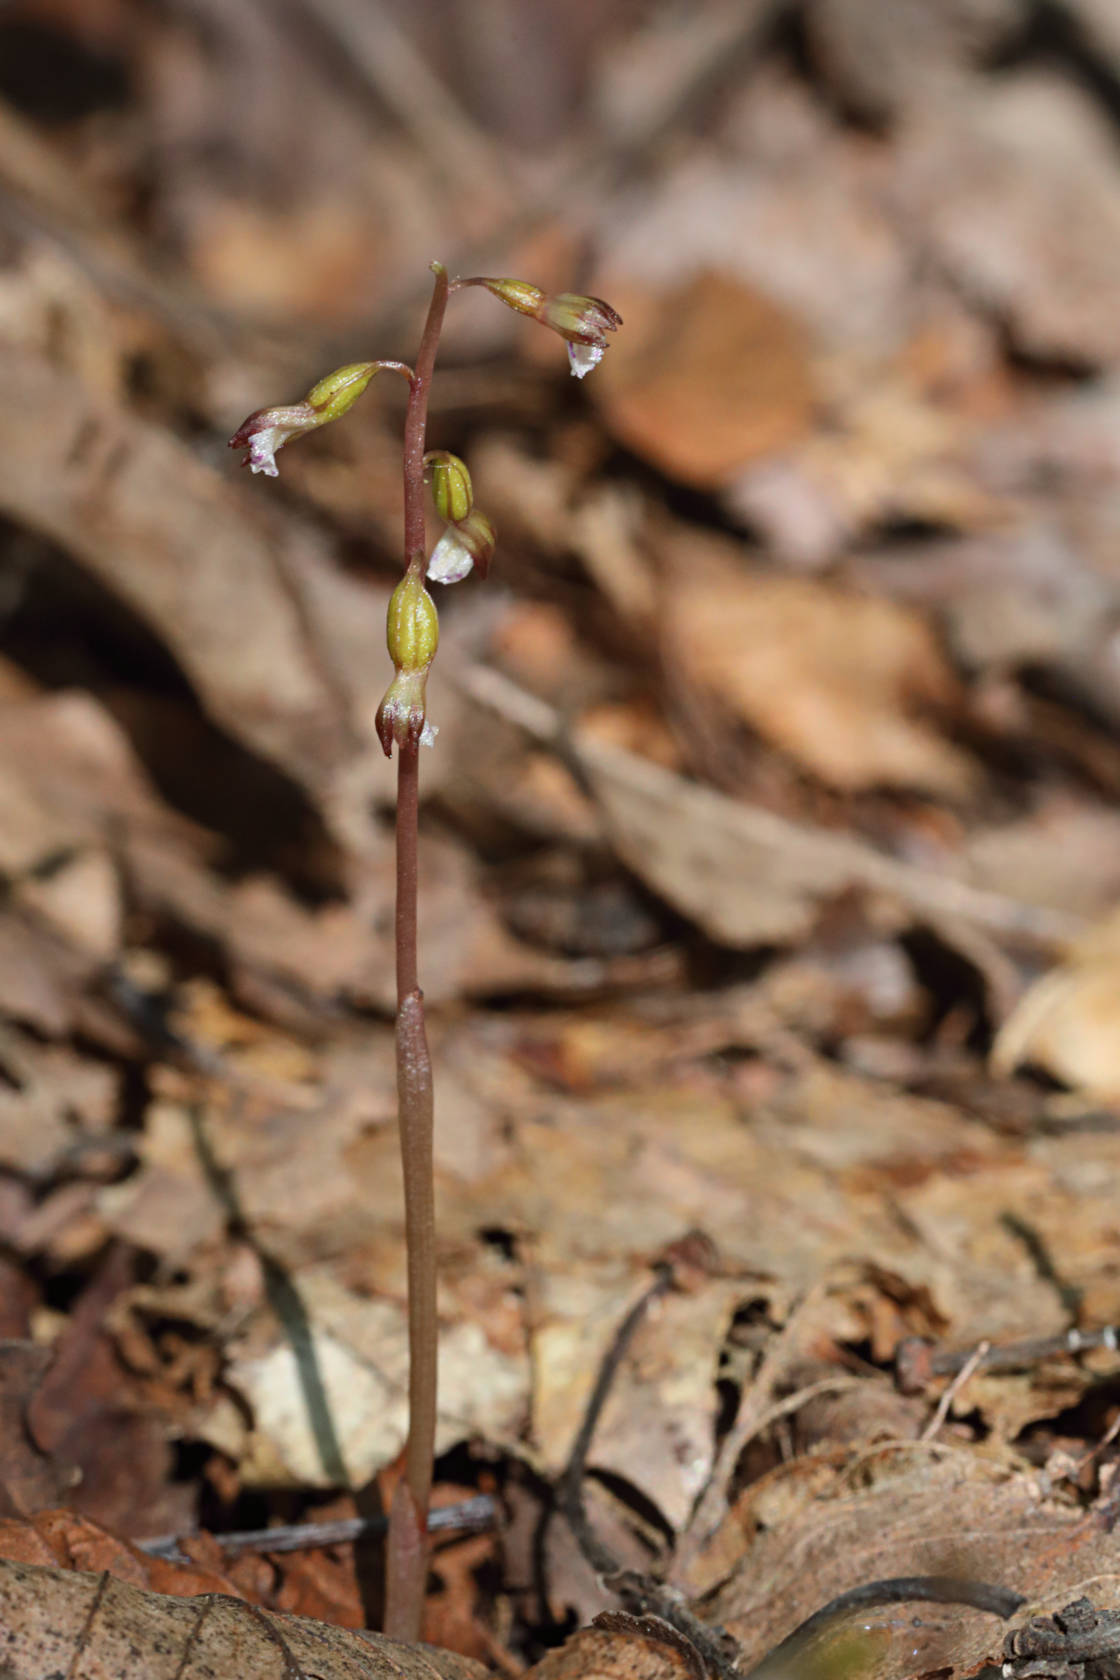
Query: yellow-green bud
{"points": [[519, 295], [340, 390], [412, 627], [452, 491]]}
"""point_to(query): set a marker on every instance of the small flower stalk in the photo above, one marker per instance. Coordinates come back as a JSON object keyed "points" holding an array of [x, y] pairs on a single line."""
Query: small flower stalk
{"points": [[412, 636]]}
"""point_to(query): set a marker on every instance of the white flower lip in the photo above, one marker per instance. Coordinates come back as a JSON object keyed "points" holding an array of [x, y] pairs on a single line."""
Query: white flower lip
{"points": [[583, 357], [451, 560], [262, 450]]}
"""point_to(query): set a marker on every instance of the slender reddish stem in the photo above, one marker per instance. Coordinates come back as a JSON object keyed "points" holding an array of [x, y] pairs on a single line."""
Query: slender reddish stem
{"points": [[406, 1570]]}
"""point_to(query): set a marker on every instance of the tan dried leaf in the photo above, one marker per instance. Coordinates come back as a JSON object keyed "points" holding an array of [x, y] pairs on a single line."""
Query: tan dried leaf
{"points": [[1069, 1021], [58, 1621], [707, 378], [837, 679]]}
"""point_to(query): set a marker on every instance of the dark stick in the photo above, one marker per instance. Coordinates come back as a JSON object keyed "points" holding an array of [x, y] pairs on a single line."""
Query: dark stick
{"points": [[473, 1515], [917, 1361], [571, 1486]]}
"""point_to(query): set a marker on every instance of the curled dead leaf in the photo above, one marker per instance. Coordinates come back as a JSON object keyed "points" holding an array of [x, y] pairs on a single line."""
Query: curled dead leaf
{"points": [[58, 1621]]}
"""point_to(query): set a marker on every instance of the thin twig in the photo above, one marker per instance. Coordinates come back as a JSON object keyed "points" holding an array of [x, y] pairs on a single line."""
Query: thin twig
{"points": [[601, 1559], [917, 1361], [967, 1370], [467, 1516]]}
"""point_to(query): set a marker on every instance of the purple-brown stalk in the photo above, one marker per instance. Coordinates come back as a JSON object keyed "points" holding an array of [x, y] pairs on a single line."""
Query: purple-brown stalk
{"points": [[407, 1559], [413, 635]]}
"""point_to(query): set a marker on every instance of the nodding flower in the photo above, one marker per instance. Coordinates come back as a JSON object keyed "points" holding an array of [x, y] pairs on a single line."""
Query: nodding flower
{"points": [[583, 321], [468, 543], [412, 636], [269, 429]]}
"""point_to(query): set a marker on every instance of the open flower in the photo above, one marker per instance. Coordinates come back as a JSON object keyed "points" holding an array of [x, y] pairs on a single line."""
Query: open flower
{"points": [[583, 321], [463, 546], [269, 429], [402, 717]]}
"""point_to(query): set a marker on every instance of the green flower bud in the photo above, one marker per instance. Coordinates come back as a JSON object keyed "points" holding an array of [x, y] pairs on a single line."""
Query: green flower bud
{"points": [[412, 635], [452, 492], [412, 627], [340, 390], [518, 294]]}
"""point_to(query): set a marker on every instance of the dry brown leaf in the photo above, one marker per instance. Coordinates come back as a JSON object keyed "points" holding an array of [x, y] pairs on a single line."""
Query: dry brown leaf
{"points": [[658, 1427], [837, 679], [746, 875], [1069, 1021], [181, 546], [603, 1654], [789, 204], [58, 1621], [1012, 184], [880, 59], [52, 1102], [353, 1352], [29, 1478], [64, 1539], [908, 1509], [706, 378], [889, 453]]}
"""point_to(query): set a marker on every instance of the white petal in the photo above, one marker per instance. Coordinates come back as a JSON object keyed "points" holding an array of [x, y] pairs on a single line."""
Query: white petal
{"points": [[262, 451], [428, 734], [451, 559], [584, 357]]}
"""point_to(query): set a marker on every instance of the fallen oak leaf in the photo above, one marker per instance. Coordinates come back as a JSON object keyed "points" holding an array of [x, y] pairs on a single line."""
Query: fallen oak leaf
{"points": [[59, 1621], [67, 1540]]}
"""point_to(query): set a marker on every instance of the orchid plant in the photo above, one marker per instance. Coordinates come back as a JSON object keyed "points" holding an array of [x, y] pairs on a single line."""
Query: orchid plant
{"points": [[412, 633]]}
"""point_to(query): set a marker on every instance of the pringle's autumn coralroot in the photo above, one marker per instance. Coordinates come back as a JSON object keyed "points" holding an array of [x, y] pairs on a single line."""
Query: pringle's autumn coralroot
{"points": [[412, 633]]}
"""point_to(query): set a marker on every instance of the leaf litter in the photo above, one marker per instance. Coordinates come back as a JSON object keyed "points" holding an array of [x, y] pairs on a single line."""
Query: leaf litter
{"points": [[769, 859]]}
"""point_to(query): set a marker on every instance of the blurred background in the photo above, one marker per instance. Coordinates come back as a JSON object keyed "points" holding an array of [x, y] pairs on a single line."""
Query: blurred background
{"points": [[781, 742]]}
